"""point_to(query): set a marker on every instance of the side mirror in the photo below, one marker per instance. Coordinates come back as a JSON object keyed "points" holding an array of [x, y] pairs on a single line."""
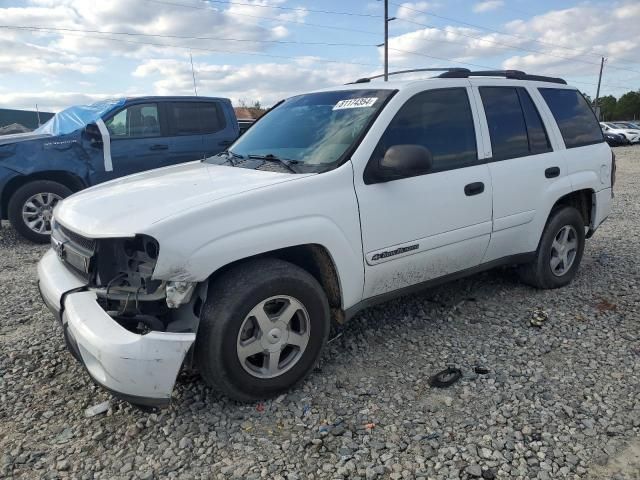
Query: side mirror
{"points": [[93, 135], [402, 161]]}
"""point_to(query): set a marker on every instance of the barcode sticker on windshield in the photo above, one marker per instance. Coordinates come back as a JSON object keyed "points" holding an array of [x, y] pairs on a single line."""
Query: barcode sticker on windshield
{"points": [[355, 103]]}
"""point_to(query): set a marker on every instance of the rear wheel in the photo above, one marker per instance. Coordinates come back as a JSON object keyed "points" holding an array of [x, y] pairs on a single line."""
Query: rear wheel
{"points": [[31, 207], [560, 251], [262, 329]]}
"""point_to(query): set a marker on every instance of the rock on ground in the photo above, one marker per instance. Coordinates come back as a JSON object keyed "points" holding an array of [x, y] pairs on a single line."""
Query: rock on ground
{"points": [[559, 401]]}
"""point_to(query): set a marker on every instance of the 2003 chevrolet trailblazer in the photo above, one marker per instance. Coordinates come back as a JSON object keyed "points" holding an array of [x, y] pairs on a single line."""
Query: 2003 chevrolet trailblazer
{"points": [[333, 201]]}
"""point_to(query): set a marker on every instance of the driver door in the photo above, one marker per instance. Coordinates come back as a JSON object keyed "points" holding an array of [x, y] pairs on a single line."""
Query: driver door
{"points": [[420, 228]]}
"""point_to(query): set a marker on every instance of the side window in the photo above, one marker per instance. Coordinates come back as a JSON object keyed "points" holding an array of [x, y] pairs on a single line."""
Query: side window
{"points": [[515, 125], [212, 118], [195, 118], [440, 120], [538, 138], [576, 120], [185, 118], [135, 121]]}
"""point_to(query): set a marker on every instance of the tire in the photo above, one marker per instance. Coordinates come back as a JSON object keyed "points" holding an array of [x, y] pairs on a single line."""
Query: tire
{"points": [[541, 273], [52, 193], [227, 326]]}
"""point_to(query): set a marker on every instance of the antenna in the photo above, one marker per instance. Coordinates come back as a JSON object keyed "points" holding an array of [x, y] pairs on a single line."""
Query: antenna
{"points": [[193, 74], [38, 113]]}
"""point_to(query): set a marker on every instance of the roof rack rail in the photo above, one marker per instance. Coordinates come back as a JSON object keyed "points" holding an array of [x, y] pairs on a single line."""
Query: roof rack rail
{"points": [[511, 74], [399, 72]]}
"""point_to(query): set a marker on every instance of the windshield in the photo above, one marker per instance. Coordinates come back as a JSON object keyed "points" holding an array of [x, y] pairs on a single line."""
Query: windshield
{"points": [[311, 131], [78, 116]]}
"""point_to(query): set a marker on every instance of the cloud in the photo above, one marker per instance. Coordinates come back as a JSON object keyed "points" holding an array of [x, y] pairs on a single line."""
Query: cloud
{"points": [[487, 6], [451, 43], [266, 82], [412, 11], [51, 100], [237, 22], [571, 40], [20, 57]]}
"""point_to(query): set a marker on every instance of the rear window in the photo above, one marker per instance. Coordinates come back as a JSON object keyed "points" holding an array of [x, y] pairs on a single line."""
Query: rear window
{"points": [[195, 118], [576, 120]]}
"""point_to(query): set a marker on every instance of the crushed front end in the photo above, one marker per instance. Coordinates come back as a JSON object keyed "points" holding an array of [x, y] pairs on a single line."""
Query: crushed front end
{"points": [[131, 331]]}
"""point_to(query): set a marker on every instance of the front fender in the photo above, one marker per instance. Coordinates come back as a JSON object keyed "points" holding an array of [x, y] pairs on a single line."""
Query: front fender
{"points": [[317, 210]]}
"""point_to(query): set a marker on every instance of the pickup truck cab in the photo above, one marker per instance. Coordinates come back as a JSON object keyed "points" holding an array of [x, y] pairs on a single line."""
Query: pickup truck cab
{"points": [[333, 201], [87, 145]]}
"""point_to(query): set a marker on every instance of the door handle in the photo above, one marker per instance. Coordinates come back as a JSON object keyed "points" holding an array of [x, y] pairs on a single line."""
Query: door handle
{"points": [[552, 172], [474, 188], [159, 147], [225, 143]]}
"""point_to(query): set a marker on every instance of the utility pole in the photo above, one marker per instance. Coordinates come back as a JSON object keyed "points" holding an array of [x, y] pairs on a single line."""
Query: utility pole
{"points": [[598, 91], [386, 39]]}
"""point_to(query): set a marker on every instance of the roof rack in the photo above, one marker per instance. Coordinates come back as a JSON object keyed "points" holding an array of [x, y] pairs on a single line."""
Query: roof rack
{"points": [[511, 74], [454, 72], [399, 72]]}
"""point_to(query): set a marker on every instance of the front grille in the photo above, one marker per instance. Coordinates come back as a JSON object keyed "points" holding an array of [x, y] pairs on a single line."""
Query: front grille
{"points": [[76, 251], [77, 240]]}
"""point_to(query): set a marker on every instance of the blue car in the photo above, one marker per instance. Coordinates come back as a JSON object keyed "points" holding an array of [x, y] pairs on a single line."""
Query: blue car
{"points": [[87, 145]]}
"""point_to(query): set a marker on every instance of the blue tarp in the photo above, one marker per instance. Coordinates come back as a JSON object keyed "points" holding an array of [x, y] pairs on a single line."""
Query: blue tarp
{"points": [[73, 118]]}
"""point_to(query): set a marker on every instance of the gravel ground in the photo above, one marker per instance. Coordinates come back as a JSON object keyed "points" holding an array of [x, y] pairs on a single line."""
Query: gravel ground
{"points": [[559, 401]]}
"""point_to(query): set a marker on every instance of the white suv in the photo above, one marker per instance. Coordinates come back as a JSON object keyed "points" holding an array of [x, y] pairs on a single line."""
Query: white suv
{"points": [[333, 201]]}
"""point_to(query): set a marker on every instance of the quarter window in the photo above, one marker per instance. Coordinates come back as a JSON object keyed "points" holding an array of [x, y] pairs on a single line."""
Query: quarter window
{"points": [[515, 127], [440, 120], [195, 118], [135, 121], [577, 122]]}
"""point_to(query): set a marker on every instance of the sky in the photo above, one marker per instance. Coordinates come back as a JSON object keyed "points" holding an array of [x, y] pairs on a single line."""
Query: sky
{"points": [[56, 53]]}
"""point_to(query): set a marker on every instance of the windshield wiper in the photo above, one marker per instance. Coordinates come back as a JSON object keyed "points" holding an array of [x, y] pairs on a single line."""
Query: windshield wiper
{"points": [[270, 157], [230, 156]]}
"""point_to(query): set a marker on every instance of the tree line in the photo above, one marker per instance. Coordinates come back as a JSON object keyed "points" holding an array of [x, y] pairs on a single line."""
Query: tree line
{"points": [[627, 107]]}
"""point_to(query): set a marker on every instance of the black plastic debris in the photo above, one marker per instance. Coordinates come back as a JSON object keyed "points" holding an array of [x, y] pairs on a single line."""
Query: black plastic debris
{"points": [[481, 370], [445, 378]]}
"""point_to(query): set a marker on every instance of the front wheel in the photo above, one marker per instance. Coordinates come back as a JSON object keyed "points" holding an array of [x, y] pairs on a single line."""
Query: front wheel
{"points": [[31, 208], [559, 253], [262, 329]]}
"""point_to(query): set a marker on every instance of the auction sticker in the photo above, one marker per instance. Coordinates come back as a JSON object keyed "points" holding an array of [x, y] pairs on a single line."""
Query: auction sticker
{"points": [[355, 103]]}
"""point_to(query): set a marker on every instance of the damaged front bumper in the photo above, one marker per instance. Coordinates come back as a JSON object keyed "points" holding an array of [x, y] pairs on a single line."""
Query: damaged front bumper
{"points": [[140, 368]]}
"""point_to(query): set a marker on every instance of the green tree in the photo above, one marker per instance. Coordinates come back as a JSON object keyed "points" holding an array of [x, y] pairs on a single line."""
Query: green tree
{"points": [[607, 107], [628, 107]]}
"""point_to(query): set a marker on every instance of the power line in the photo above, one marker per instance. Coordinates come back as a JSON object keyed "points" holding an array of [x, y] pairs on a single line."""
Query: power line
{"points": [[499, 32], [513, 47], [609, 86], [179, 37], [188, 47], [317, 25], [298, 9], [442, 58]]}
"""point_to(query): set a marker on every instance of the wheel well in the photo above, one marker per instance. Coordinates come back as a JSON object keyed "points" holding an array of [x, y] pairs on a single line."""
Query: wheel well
{"points": [[69, 180], [317, 261], [581, 200]]}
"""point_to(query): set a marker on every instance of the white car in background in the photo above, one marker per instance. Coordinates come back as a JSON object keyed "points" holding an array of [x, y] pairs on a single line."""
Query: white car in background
{"points": [[631, 134]]}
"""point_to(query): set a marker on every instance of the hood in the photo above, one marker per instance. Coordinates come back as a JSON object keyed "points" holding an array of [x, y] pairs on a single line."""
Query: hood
{"points": [[21, 137], [132, 204]]}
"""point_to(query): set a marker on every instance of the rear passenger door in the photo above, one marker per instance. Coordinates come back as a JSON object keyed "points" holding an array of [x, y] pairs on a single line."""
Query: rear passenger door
{"points": [[525, 171], [185, 125], [198, 130]]}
